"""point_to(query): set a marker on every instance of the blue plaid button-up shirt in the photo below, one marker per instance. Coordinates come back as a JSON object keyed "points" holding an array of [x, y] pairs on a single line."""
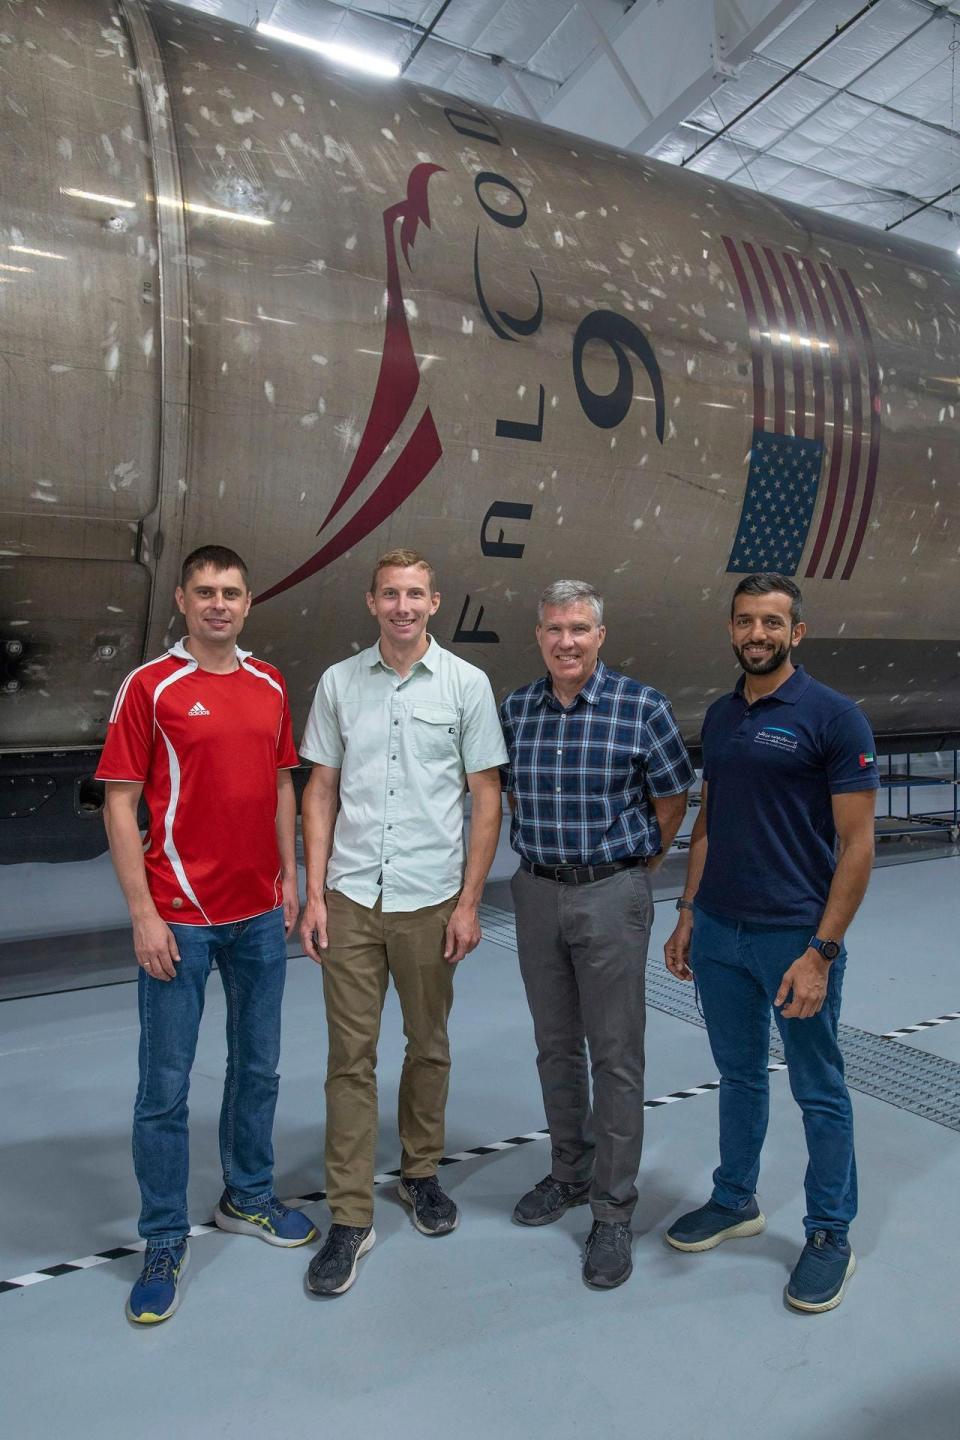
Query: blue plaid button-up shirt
{"points": [[582, 777]]}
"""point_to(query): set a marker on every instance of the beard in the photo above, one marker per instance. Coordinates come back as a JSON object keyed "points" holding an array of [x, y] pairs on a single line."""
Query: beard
{"points": [[762, 664]]}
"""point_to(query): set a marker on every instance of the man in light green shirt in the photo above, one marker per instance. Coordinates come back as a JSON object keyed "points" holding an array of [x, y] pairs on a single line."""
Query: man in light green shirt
{"points": [[396, 735]]}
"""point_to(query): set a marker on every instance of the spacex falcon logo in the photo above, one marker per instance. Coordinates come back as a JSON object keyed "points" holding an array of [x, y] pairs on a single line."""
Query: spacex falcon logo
{"points": [[396, 390]]}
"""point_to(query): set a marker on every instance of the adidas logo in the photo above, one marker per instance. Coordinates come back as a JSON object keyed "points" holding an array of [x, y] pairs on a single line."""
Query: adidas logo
{"points": [[198, 709]]}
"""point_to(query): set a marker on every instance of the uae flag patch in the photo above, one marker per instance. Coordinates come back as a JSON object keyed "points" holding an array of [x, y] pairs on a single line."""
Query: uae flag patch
{"points": [[866, 758]]}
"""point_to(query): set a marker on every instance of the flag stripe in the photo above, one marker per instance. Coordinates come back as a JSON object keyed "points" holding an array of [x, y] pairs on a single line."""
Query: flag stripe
{"points": [[812, 306], [873, 460], [799, 388], [776, 350], [816, 358], [836, 443], [753, 325], [856, 398]]}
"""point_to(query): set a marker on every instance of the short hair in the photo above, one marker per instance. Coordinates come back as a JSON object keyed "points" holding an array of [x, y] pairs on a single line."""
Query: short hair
{"points": [[767, 582], [403, 559], [217, 556], [570, 592]]}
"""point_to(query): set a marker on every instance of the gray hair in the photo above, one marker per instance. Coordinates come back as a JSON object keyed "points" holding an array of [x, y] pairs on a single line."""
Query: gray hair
{"points": [[571, 592]]}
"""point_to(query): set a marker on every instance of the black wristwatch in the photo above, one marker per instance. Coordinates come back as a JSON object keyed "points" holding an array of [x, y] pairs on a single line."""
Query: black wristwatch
{"points": [[829, 949], [684, 904]]}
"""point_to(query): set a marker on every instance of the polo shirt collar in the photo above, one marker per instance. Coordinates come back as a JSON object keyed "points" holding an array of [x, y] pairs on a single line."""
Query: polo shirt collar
{"points": [[591, 691], [788, 693]]}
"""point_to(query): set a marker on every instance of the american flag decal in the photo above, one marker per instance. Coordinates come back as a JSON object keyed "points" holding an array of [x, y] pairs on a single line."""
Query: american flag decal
{"points": [[813, 360]]}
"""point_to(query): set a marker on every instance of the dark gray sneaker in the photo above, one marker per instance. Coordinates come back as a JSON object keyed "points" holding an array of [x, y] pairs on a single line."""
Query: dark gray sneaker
{"points": [[704, 1228], [607, 1260], [334, 1267], [434, 1213], [549, 1199]]}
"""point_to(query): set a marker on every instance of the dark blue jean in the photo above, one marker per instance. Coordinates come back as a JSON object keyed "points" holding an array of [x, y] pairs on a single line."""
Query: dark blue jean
{"points": [[738, 968], [251, 957]]}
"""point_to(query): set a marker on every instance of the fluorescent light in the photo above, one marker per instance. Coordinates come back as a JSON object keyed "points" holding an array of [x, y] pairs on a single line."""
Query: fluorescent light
{"points": [[44, 254], [209, 210], [24, 269], [343, 54], [101, 199]]}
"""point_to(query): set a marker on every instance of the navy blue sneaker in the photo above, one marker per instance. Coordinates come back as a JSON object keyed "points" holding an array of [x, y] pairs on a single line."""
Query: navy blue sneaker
{"points": [[820, 1276], [157, 1292], [704, 1228], [271, 1221]]}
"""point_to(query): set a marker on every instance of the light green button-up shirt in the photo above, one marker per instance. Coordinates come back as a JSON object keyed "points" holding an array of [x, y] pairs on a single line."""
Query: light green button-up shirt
{"points": [[404, 746]]}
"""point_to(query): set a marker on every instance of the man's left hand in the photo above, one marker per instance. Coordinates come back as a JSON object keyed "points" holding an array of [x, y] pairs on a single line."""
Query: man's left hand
{"points": [[463, 933], [291, 903], [807, 978]]}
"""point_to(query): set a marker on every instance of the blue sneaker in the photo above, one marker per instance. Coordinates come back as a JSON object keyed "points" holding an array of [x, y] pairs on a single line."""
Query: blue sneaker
{"points": [[271, 1221], [704, 1228], [157, 1292], [820, 1276]]}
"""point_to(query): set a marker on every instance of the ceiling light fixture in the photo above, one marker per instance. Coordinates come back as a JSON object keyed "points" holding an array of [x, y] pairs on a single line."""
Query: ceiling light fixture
{"points": [[342, 54]]}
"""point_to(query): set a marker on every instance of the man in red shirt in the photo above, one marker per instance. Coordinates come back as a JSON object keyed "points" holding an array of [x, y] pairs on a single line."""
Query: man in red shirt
{"points": [[203, 734]]}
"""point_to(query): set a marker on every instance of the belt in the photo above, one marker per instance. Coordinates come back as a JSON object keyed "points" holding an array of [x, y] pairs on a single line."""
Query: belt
{"points": [[580, 874]]}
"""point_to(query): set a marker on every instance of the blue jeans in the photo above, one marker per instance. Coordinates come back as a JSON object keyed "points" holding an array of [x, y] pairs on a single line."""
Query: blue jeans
{"points": [[251, 956], [738, 968]]}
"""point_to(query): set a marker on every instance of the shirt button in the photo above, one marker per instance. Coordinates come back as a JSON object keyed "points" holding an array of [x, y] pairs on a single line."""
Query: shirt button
{"points": [[393, 757], [559, 752], [558, 789], [391, 792], [386, 862], [396, 722], [390, 827]]}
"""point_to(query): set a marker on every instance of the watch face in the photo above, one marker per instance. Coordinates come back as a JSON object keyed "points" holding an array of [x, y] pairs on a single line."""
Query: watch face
{"points": [[829, 949]]}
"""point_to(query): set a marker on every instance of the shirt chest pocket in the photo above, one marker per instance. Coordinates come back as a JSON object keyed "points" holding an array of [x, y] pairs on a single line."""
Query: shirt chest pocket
{"points": [[436, 732]]}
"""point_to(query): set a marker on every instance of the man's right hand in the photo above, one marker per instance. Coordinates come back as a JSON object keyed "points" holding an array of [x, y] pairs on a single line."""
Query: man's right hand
{"points": [[313, 929], [155, 948], [676, 952]]}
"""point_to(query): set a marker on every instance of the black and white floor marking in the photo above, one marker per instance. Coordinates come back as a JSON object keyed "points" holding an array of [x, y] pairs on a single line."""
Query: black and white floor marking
{"points": [[921, 1025], [386, 1177]]}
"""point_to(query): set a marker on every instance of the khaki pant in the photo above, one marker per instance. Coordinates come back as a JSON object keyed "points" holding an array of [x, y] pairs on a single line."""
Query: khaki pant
{"points": [[367, 948]]}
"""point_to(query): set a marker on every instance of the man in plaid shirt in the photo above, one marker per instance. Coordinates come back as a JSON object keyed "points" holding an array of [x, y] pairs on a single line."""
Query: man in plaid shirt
{"points": [[598, 780]]}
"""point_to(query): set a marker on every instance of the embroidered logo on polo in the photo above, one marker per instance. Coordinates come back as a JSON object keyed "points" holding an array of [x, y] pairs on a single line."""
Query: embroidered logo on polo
{"points": [[198, 709], [866, 758], [777, 738]]}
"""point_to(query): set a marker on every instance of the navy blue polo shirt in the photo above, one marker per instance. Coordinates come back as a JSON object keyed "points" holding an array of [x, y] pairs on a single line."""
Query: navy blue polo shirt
{"points": [[771, 768]]}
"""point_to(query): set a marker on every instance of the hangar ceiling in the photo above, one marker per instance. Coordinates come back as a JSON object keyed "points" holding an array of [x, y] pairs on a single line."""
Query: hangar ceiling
{"points": [[849, 106]]}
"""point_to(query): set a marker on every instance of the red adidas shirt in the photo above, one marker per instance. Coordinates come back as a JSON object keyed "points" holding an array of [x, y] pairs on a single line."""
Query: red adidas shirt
{"points": [[207, 748]]}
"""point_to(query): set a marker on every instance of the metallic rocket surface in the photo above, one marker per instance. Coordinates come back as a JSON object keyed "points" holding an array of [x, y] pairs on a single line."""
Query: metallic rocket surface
{"points": [[250, 299]]}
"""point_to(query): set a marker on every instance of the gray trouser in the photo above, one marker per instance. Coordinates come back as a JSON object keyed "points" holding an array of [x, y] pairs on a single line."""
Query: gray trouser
{"points": [[583, 956]]}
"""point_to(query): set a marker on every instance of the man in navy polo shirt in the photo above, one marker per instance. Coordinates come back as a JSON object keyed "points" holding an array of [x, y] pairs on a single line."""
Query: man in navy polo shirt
{"points": [[780, 857]]}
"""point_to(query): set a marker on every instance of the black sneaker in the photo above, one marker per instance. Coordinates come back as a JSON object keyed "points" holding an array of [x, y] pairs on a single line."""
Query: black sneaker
{"points": [[549, 1199], [334, 1267], [607, 1260], [434, 1213]]}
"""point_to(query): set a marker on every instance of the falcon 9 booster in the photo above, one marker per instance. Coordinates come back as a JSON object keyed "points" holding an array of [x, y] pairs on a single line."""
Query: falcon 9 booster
{"points": [[247, 298]]}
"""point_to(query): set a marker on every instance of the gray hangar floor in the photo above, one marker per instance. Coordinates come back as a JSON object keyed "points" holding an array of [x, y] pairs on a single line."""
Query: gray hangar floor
{"points": [[489, 1332]]}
